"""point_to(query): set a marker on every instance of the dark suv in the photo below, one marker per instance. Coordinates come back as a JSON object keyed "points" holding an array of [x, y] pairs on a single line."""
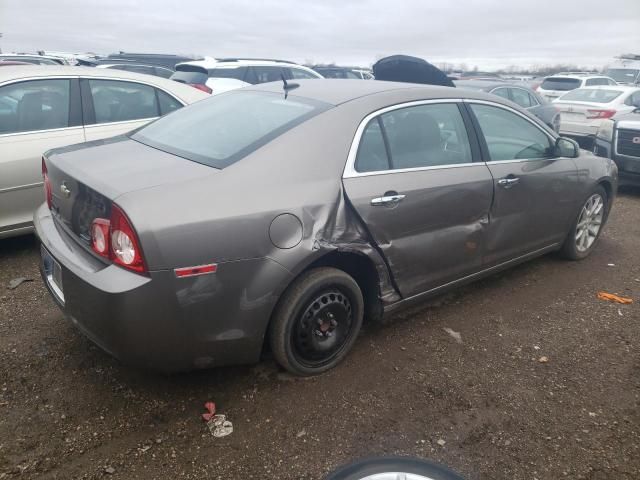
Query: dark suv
{"points": [[619, 139]]}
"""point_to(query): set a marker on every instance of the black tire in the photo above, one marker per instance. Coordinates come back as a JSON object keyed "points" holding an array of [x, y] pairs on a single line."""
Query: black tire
{"points": [[365, 468], [320, 295], [570, 249]]}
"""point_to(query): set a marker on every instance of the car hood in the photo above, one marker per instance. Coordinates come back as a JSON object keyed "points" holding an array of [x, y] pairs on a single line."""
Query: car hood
{"points": [[118, 165]]}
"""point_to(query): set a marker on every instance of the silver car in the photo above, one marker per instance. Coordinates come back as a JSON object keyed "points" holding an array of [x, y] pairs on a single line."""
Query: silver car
{"points": [[280, 216], [47, 107]]}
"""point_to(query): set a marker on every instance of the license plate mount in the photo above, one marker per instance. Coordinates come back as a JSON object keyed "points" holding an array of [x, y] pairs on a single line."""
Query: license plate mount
{"points": [[52, 274]]}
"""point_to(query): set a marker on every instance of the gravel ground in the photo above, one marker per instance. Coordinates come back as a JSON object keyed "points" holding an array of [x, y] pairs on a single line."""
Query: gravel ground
{"points": [[487, 407]]}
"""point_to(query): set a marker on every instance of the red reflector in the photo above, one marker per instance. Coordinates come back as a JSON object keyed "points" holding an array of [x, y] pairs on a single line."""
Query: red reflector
{"points": [[197, 270], [100, 236], [201, 86]]}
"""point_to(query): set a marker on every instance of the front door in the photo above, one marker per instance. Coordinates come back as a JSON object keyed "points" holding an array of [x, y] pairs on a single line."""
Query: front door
{"points": [[35, 116], [535, 192], [415, 184]]}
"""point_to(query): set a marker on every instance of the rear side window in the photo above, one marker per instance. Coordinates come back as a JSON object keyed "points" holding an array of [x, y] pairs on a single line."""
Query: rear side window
{"points": [[223, 129], [167, 103], [591, 95], [266, 74], [162, 72], [502, 92], [421, 136], [34, 105], [236, 72], [562, 84], [117, 101], [522, 97]]}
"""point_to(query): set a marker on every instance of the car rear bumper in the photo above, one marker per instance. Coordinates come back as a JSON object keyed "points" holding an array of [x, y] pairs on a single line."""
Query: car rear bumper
{"points": [[162, 322], [575, 129]]}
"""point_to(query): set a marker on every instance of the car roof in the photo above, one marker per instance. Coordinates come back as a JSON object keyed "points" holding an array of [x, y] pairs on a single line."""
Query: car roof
{"points": [[184, 92], [338, 91]]}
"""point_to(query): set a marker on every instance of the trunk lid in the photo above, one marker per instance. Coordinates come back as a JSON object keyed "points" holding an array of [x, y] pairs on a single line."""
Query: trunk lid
{"points": [[87, 178]]}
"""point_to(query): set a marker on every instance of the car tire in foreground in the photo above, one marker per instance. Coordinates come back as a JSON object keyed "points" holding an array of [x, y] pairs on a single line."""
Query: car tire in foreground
{"points": [[587, 227], [393, 468], [316, 321]]}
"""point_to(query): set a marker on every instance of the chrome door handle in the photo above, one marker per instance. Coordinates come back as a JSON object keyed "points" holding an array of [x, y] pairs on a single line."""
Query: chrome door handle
{"points": [[508, 182], [387, 200]]}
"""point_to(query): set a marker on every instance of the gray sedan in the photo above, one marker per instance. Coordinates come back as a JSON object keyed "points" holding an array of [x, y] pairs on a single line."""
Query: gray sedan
{"points": [[279, 217], [519, 94]]}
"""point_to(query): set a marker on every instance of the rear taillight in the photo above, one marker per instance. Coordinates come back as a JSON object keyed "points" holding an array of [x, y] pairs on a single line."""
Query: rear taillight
{"points": [[116, 240], [201, 86], [100, 236], [47, 183], [591, 114]]}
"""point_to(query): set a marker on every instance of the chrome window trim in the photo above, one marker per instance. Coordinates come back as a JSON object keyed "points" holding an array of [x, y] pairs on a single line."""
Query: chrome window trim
{"points": [[21, 187], [123, 122], [349, 168], [48, 130]]}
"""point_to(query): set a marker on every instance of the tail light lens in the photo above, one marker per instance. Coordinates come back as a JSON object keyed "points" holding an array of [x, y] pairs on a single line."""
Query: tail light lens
{"points": [[600, 113], [201, 86], [100, 236], [47, 183], [116, 240]]}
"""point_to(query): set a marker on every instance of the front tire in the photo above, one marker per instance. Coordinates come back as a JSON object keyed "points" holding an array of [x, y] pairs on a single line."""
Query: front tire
{"points": [[587, 227], [316, 321]]}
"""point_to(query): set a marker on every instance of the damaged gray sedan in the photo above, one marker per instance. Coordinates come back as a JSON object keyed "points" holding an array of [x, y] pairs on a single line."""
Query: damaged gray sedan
{"points": [[279, 217]]}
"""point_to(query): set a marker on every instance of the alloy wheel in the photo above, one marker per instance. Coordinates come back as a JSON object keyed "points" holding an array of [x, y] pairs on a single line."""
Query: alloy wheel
{"points": [[589, 222]]}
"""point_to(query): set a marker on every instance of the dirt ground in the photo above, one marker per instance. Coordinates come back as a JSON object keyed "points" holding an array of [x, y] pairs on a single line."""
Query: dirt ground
{"points": [[487, 407]]}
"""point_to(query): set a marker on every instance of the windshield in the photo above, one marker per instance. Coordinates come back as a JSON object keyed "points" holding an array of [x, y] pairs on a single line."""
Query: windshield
{"points": [[225, 128], [562, 84], [623, 75], [594, 95]]}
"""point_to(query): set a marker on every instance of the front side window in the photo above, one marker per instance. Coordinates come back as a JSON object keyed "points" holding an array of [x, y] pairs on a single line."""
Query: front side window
{"points": [[420, 136], [117, 101], [34, 105], [509, 136], [225, 128]]}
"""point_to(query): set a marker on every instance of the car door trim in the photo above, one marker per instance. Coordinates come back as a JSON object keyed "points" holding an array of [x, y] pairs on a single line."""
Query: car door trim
{"points": [[21, 187], [486, 271], [350, 171], [49, 130], [124, 122]]}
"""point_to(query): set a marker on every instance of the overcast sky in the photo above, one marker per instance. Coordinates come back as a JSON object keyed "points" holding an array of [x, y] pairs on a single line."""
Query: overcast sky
{"points": [[491, 33]]}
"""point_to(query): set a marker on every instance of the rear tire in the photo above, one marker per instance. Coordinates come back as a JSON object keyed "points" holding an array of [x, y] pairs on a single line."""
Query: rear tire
{"points": [[587, 227], [317, 321]]}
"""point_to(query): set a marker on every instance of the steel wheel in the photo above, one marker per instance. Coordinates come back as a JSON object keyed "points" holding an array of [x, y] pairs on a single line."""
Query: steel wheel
{"points": [[589, 222], [323, 328]]}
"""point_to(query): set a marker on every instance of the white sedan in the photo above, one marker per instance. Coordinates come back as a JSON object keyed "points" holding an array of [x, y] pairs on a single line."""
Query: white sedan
{"points": [[44, 107], [582, 110]]}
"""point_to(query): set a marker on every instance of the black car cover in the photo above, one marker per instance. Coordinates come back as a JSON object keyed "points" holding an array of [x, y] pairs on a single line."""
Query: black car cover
{"points": [[403, 68]]}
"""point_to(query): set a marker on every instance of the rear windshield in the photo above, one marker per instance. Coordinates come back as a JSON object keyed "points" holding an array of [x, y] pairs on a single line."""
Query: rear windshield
{"points": [[591, 95], [221, 130], [623, 75], [563, 84], [190, 77]]}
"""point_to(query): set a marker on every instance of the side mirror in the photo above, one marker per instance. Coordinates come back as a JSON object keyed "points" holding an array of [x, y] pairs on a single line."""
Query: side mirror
{"points": [[565, 147]]}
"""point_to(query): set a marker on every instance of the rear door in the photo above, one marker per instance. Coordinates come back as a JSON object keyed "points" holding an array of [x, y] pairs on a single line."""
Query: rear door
{"points": [[534, 192], [35, 116], [114, 107], [413, 179]]}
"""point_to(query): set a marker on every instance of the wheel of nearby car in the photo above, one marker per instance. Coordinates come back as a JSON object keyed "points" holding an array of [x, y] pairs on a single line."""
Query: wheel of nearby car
{"points": [[587, 226], [393, 468], [316, 321]]}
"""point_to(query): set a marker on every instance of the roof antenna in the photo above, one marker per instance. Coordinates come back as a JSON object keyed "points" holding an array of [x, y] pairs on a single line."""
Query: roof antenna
{"points": [[287, 86]]}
